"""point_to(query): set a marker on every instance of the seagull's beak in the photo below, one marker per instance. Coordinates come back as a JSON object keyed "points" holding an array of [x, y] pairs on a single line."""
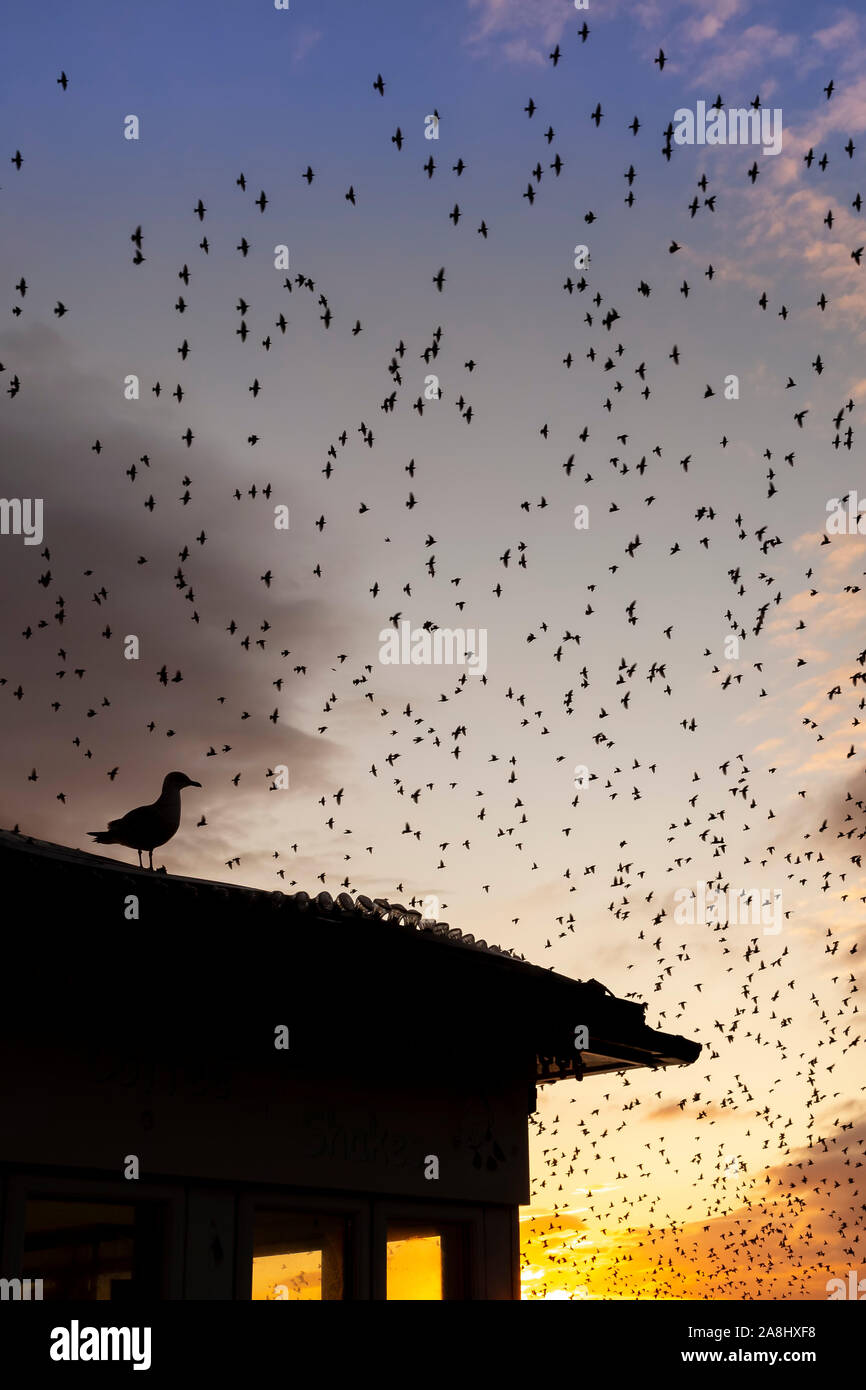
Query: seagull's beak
{"points": [[193, 784]]}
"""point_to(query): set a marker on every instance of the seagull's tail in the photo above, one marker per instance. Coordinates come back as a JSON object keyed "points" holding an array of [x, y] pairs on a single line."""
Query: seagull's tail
{"points": [[103, 837]]}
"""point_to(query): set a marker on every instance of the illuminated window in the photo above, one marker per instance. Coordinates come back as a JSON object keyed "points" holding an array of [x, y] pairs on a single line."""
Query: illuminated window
{"points": [[298, 1255], [424, 1261]]}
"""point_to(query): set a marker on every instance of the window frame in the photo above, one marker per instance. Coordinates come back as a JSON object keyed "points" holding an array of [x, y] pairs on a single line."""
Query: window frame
{"points": [[469, 1218], [22, 1187], [355, 1210]]}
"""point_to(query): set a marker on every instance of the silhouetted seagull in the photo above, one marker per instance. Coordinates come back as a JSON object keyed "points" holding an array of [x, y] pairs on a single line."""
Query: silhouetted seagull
{"points": [[147, 827]]}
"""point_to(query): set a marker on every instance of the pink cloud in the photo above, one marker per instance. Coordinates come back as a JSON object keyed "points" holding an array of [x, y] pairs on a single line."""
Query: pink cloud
{"points": [[304, 43], [754, 48], [844, 32], [522, 51], [715, 16], [523, 26]]}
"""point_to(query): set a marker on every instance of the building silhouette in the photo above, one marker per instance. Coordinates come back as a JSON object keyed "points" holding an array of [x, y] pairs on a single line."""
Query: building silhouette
{"points": [[215, 1092]]}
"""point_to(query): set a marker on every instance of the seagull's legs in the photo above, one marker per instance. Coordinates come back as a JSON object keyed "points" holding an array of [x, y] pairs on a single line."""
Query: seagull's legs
{"points": [[140, 865], [150, 852]]}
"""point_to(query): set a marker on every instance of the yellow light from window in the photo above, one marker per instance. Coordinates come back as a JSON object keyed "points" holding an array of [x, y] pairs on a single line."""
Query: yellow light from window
{"points": [[415, 1268], [287, 1278]]}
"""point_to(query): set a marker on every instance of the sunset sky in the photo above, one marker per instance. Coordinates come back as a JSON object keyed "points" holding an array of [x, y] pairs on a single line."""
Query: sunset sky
{"points": [[741, 1176]]}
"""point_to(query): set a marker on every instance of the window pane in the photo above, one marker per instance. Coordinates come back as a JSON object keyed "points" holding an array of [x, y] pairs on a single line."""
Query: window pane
{"points": [[427, 1260], [415, 1266], [94, 1251], [298, 1255]]}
